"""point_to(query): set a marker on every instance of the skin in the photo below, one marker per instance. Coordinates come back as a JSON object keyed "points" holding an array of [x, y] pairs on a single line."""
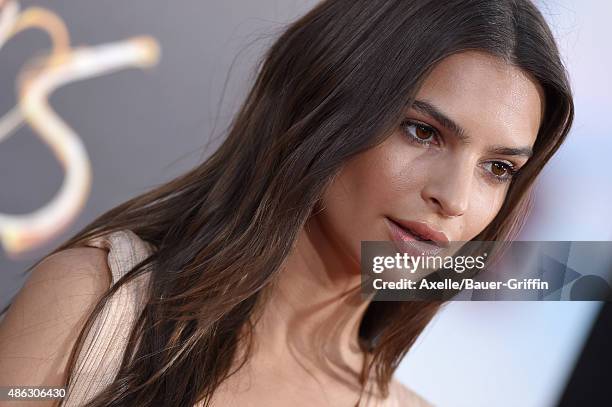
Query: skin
{"points": [[310, 324], [448, 185]]}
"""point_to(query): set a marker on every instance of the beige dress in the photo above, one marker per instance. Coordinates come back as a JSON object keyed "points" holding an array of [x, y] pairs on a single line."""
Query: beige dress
{"points": [[109, 335]]}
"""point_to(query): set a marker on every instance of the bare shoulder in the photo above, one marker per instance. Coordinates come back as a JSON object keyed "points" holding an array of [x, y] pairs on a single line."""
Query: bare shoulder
{"points": [[406, 396], [77, 274], [44, 320]]}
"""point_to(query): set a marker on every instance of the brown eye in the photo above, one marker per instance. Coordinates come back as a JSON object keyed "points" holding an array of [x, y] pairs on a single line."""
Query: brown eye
{"points": [[420, 133], [423, 132], [499, 169]]}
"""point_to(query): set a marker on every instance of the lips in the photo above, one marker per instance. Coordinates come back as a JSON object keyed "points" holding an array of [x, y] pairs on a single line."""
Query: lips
{"points": [[419, 237], [422, 232], [416, 238]]}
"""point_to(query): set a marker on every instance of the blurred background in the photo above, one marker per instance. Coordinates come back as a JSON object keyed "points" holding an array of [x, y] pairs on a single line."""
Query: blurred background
{"points": [[144, 117]]}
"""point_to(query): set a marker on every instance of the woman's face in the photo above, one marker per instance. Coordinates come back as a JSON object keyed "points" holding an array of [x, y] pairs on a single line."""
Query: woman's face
{"points": [[449, 164]]}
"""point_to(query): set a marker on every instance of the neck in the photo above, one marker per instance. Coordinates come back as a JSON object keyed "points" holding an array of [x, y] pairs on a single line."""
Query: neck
{"points": [[315, 308]]}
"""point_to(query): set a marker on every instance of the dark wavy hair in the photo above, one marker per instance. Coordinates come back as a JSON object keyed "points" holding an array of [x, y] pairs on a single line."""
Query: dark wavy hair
{"points": [[333, 85]]}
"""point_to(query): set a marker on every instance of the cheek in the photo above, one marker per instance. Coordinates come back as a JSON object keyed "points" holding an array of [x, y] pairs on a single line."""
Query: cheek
{"points": [[377, 181], [363, 192], [484, 206], [351, 200]]}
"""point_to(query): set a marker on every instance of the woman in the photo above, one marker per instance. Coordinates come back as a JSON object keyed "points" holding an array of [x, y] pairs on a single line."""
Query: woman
{"points": [[236, 284]]}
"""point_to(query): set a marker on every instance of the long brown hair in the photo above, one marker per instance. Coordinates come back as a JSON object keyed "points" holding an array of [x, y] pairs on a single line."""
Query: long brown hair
{"points": [[333, 85]]}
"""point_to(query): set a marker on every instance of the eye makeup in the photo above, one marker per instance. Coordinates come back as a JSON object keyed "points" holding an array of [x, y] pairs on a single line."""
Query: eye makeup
{"points": [[425, 135]]}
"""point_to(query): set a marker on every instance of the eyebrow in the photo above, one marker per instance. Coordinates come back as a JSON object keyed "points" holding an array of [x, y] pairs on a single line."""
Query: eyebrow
{"points": [[459, 132]]}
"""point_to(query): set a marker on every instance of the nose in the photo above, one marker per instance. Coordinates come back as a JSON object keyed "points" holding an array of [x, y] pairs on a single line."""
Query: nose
{"points": [[448, 188]]}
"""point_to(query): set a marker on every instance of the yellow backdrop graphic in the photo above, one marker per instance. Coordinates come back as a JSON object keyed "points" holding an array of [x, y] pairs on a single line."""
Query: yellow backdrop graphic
{"points": [[39, 77]]}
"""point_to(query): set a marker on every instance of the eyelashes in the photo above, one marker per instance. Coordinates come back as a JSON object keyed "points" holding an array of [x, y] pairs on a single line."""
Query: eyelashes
{"points": [[420, 133], [425, 135], [508, 170]]}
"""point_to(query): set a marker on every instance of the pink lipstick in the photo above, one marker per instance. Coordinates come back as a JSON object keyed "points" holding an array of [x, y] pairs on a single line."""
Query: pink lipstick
{"points": [[416, 238]]}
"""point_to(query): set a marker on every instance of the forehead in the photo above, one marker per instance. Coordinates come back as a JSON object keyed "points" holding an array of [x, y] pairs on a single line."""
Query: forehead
{"points": [[493, 101]]}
